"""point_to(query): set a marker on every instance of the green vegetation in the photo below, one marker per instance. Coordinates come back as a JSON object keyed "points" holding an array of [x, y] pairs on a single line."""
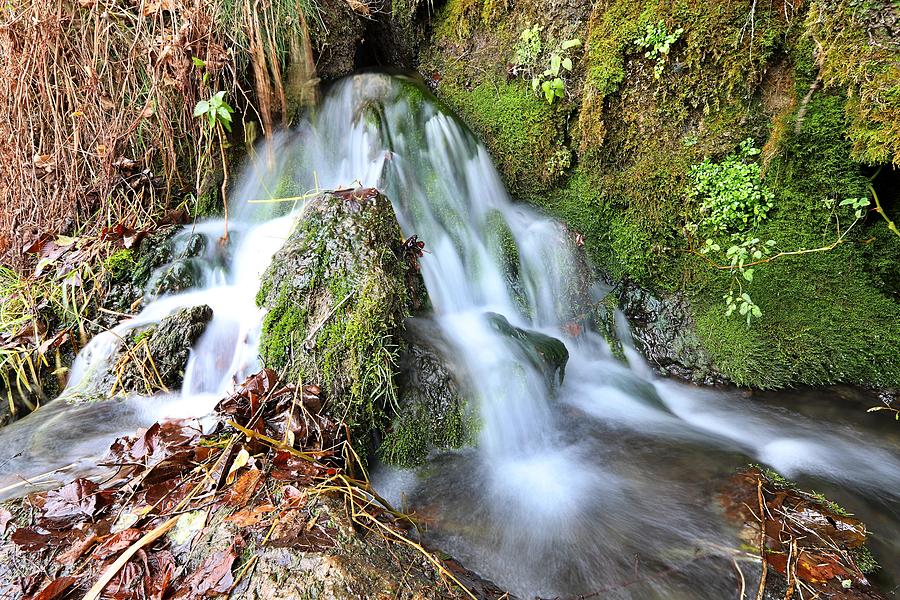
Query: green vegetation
{"points": [[543, 66], [731, 194], [421, 428], [120, 263], [215, 111], [656, 43], [663, 160]]}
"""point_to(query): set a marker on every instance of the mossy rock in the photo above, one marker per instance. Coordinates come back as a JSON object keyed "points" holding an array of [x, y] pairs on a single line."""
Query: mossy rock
{"points": [[168, 345], [434, 414], [336, 296], [546, 354]]}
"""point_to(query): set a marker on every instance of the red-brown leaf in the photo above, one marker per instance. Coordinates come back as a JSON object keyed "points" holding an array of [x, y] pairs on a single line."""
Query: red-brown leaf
{"points": [[31, 539], [212, 578], [55, 588], [77, 501], [117, 543]]}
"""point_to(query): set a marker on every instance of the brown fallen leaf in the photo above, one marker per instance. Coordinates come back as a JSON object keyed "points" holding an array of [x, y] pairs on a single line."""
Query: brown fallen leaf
{"points": [[360, 8], [55, 588], [242, 490], [78, 547], [287, 467], [78, 501], [31, 539], [248, 517], [212, 578], [117, 543]]}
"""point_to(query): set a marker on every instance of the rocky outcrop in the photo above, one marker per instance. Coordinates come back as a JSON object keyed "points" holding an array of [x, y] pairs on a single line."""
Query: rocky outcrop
{"points": [[336, 295], [433, 412], [168, 346], [664, 332]]}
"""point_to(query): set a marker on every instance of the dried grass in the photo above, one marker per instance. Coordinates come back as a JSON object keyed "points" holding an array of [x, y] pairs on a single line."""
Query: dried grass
{"points": [[96, 102]]}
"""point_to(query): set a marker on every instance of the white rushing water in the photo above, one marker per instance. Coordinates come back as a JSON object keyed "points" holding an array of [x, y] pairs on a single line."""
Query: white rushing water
{"points": [[597, 486]]}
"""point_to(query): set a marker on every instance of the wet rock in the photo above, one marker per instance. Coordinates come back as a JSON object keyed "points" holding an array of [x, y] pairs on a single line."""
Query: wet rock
{"points": [[433, 412], [336, 37], [665, 334], [545, 353], [336, 295], [168, 345], [165, 262]]}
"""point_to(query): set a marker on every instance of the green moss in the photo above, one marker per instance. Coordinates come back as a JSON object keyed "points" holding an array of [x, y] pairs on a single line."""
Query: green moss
{"points": [[860, 54], [524, 133], [120, 263], [825, 318], [420, 429], [502, 243]]}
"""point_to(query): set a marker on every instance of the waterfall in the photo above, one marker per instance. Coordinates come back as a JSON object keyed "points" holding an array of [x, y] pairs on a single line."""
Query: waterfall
{"points": [[571, 486]]}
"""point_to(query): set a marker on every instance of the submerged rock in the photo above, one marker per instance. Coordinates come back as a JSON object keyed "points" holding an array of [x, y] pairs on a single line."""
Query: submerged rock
{"points": [[546, 354], [806, 538], [336, 295]]}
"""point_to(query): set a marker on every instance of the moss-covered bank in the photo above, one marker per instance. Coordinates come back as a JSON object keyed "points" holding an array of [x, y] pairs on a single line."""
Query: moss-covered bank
{"points": [[657, 88]]}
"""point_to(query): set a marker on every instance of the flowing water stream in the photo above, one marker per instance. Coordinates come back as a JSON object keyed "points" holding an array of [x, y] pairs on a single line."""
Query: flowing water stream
{"points": [[603, 485]]}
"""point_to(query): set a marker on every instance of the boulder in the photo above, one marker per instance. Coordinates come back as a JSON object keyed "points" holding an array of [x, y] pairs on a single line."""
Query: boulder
{"points": [[546, 354], [155, 358], [336, 295]]}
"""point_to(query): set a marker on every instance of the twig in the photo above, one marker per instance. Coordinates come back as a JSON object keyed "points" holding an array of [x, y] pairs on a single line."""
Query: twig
{"points": [[878, 208], [741, 575], [149, 538], [316, 329], [762, 541]]}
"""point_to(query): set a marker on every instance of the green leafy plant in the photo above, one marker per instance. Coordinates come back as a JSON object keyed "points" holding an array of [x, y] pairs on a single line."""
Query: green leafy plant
{"points": [[546, 69], [733, 204], [656, 43], [215, 111], [218, 115], [731, 194]]}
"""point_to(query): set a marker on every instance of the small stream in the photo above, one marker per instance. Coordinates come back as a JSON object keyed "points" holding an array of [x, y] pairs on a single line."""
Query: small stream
{"points": [[604, 485]]}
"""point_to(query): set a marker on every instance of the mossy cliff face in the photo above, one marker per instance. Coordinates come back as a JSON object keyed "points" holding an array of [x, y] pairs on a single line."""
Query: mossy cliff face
{"points": [[815, 86], [337, 295]]}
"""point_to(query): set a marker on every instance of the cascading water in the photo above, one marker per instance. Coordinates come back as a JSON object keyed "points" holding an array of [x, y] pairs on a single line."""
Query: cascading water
{"points": [[600, 485]]}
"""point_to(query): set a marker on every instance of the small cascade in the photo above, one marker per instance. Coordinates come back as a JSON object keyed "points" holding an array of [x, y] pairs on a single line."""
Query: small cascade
{"points": [[574, 486]]}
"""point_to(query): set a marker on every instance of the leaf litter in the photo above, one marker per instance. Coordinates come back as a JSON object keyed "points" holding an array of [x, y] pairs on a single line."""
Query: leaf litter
{"points": [[272, 452]]}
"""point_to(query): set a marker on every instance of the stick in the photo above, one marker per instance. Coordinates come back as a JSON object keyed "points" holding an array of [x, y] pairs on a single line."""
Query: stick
{"points": [[762, 541], [149, 538]]}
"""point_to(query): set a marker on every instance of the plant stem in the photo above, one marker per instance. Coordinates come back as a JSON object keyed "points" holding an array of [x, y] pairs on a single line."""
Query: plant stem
{"points": [[224, 238], [878, 208]]}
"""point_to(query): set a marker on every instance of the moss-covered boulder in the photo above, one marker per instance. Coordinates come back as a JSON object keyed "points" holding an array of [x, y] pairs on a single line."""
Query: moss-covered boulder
{"points": [[336, 295]]}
